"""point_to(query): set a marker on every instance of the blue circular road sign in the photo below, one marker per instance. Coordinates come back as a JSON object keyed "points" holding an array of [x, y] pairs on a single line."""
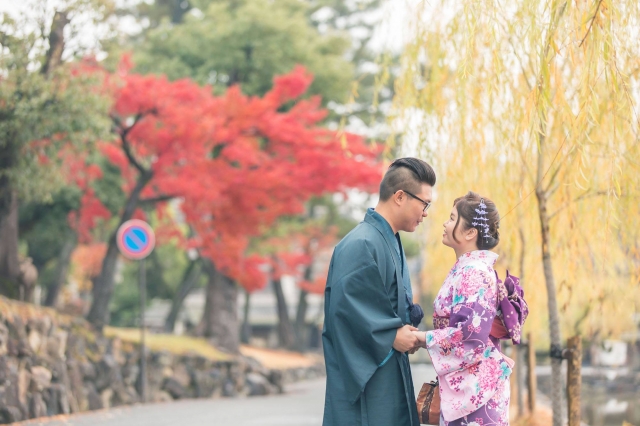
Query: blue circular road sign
{"points": [[135, 239]]}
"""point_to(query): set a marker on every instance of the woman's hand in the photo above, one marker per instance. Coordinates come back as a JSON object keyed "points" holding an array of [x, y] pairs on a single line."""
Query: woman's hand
{"points": [[421, 336]]}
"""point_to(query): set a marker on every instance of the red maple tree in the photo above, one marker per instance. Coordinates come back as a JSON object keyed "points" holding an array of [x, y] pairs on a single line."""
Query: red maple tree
{"points": [[236, 163], [275, 158], [278, 155], [163, 144]]}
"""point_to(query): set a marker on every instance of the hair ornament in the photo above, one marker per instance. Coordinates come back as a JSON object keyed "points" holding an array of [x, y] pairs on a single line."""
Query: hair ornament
{"points": [[481, 219]]}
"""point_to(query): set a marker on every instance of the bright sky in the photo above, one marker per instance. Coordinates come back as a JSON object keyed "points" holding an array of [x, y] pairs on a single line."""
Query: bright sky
{"points": [[389, 34], [9, 5]]}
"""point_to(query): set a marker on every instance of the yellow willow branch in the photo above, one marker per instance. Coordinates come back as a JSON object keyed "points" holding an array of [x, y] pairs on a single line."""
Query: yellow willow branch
{"points": [[541, 135], [579, 198], [593, 18]]}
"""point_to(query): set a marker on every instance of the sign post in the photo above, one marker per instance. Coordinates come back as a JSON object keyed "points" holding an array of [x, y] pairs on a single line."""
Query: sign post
{"points": [[136, 241]]}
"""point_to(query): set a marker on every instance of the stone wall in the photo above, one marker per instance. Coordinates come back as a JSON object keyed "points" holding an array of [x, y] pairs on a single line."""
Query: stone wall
{"points": [[54, 364]]}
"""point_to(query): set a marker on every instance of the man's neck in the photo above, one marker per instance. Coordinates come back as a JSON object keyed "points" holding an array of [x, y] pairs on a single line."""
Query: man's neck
{"points": [[384, 211]]}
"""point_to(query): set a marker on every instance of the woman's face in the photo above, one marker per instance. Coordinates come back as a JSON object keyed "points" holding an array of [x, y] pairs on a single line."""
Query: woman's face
{"points": [[447, 235]]}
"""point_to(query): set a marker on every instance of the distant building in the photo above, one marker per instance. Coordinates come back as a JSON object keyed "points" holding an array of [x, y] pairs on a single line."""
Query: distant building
{"points": [[263, 317]]}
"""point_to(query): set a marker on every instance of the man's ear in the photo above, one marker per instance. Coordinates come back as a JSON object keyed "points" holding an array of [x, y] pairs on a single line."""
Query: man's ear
{"points": [[398, 196], [471, 234]]}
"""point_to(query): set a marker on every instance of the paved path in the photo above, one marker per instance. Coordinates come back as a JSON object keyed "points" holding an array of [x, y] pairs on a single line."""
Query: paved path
{"points": [[301, 405]]}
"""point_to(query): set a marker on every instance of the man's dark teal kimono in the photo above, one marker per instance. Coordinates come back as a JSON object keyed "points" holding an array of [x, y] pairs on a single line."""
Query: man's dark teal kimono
{"points": [[368, 382]]}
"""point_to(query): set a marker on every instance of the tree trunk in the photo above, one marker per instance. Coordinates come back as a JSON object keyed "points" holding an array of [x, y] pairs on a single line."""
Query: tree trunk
{"points": [[62, 268], [179, 8], [189, 281], [9, 263], [302, 340], [220, 318], [285, 328], [542, 196], [519, 368], [53, 57], [523, 252], [103, 284], [554, 317], [245, 331]]}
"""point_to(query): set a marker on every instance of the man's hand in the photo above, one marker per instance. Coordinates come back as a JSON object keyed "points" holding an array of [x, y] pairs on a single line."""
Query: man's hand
{"points": [[420, 335], [405, 339]]}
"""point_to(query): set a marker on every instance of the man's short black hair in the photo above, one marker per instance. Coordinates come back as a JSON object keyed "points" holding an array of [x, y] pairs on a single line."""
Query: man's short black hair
{"points": [[407, 174]]}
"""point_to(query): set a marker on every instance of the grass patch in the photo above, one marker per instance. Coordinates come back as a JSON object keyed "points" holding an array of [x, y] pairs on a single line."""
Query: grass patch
{"points": [[279, 359], [178, 345]]}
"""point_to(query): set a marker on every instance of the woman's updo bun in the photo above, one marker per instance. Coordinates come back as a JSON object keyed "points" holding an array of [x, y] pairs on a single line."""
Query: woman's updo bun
{"points": [[467, 206]]}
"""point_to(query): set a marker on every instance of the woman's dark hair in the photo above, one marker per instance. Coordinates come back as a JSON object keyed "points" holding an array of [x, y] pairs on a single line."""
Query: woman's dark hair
{"points": [[466, 207], [406, 174]]}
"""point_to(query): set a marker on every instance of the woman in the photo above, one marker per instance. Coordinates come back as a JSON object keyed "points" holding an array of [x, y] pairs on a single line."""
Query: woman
{"points": [[473, 374]]}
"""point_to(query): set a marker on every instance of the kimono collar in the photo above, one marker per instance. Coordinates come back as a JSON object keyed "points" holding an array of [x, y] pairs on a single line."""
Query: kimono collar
{"points": [[376, 219], [485, 256]]}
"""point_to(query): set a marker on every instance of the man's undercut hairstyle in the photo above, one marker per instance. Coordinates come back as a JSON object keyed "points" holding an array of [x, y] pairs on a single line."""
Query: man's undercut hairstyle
{"points": [[407, 174]]}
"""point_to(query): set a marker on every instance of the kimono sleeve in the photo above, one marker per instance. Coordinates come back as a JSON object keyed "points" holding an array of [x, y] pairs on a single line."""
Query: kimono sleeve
{"points": [[470, 368], [360, 324]]}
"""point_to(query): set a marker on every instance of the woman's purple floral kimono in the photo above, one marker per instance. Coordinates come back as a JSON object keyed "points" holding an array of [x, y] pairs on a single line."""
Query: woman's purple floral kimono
{"points": [[473, 373]]}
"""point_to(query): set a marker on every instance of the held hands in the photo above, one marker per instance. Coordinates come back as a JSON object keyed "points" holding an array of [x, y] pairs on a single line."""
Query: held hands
{"points": [[421, 336], [406, 340]]}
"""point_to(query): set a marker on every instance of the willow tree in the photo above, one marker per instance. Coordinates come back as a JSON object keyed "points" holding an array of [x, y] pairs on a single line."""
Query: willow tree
{"points": [[535, 105]]}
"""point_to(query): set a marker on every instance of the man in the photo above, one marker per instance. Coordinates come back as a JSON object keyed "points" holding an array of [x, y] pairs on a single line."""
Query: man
{"points": [[366, 334]]}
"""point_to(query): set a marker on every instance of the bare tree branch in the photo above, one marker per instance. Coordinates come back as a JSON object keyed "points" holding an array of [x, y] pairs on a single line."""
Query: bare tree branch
{"points": [[123, 132], [158, 199], [53, 56]]}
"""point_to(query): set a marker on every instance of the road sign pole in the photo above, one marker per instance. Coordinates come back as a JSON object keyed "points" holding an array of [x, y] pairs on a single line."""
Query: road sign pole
{"points": [[136, 241], [143, 349]]}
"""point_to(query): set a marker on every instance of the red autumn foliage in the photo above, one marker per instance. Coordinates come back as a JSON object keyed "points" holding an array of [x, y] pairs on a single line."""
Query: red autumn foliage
{"points": [[237, 163], [162, 129], [316, 286], [294, 253], [275, 160], [79, 172], [87, 260]]}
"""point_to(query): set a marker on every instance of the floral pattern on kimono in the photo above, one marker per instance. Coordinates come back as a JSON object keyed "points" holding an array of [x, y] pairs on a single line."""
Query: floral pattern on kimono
{"points": [[472, 372]]}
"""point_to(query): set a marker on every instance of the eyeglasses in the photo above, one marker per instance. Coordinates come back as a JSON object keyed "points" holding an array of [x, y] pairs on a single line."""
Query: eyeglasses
{"points": [[426, 204]]}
